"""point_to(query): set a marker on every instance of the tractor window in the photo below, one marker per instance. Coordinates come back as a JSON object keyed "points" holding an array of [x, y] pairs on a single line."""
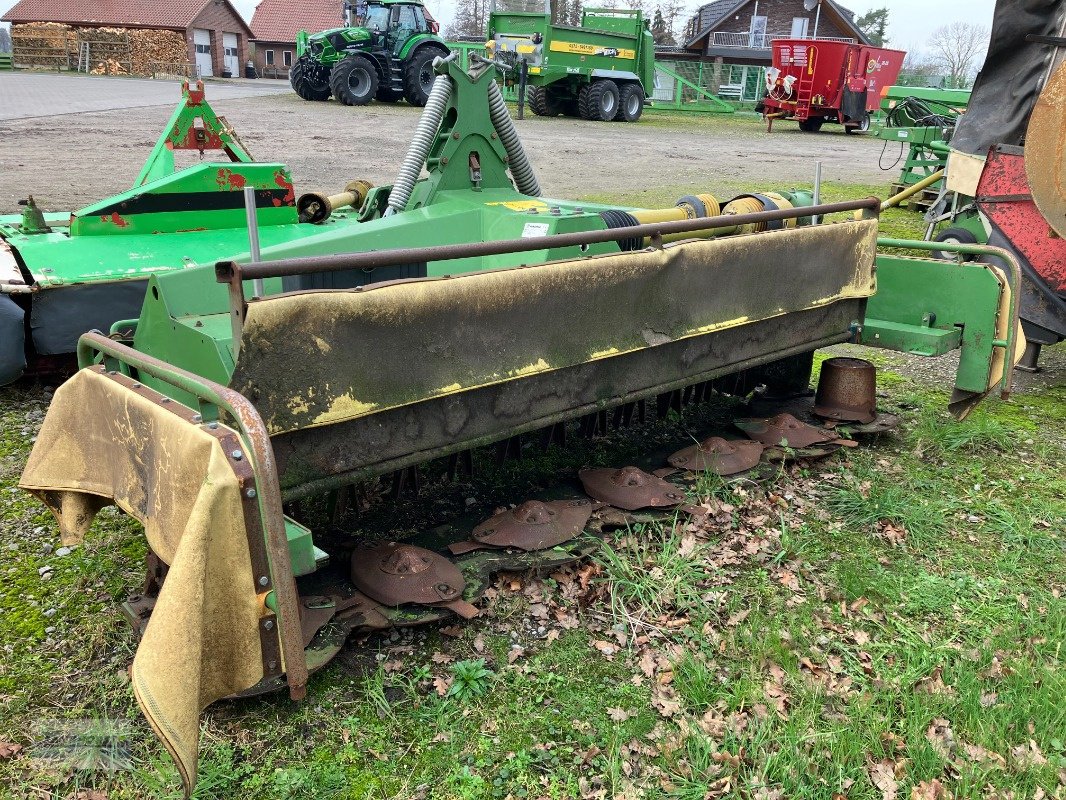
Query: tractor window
{"points": [[405, 18], [377, 18], [420, 20]]}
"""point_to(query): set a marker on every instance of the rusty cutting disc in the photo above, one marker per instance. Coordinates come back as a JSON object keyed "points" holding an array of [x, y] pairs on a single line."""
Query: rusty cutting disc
{"points": [[786, 430], [535, 525], [629, 488], [395, 574], [719, 455]]}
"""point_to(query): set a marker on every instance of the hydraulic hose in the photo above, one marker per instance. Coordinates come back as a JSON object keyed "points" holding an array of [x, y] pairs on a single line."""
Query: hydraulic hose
{"points": [[521, 170], [425, 134]]}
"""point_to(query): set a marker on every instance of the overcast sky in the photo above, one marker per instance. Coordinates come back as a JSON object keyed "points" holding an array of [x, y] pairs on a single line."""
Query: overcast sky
{"points": [[909, 21]]}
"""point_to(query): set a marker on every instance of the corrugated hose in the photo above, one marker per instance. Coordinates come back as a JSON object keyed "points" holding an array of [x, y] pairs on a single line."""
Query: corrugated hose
{"points": [[425, 134], [521, 170]]}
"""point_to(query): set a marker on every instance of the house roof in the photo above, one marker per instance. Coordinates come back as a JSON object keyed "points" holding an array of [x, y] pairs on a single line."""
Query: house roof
{"points": [[713, 14], [177, 14], [280, 20]]}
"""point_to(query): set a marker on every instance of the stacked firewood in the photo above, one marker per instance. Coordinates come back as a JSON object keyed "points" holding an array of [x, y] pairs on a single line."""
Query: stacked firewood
{"points": [[112, 51], [44, 44]]}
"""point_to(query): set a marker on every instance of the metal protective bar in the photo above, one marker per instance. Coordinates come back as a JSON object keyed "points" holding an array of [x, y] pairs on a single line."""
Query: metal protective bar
{"points": [[232, 271], [257, 441], [1015, 285], [253, 235]]}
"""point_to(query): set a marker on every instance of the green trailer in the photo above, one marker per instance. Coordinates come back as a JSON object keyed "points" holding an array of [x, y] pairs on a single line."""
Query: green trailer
{"points": [[603, 70]]}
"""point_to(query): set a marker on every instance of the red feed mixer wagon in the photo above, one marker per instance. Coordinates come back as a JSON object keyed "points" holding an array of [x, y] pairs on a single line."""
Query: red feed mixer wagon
{"points": [[815, 81]]}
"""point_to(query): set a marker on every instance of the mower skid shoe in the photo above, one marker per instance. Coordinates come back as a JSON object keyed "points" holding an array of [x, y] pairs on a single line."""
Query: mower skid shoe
{"points": [[109, 440]]}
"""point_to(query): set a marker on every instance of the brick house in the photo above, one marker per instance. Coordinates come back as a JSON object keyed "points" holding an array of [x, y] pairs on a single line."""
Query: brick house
{"points": [[275, 24], [740, 31], [214, 35]]}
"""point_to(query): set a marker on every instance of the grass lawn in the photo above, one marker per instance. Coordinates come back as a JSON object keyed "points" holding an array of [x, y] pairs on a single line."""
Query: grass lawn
{"points": [[884, 623]]}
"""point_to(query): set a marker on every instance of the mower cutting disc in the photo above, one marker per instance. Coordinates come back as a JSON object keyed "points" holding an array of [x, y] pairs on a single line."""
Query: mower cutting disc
{"points": [[629, 488], [396, 574], [531, 526], [718, 455], [785, 430]]}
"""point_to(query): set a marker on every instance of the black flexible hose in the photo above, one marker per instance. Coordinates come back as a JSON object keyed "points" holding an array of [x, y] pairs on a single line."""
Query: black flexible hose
{"points": [[614, 218]]}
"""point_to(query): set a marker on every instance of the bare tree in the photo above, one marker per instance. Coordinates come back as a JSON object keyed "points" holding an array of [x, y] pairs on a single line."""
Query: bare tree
{"points": [[5, 40], [956, 47]]}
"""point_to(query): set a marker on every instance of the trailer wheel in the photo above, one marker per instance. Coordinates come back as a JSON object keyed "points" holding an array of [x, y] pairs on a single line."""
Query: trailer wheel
{"points": [[862, 127], [811, 124], [598, 101], [307, 80], [418, 76], [630, 103], [953, 236], [354, 81], [540, 103]]}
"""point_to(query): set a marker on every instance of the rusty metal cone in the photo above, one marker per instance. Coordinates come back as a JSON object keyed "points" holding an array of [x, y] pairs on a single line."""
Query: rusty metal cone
{"points": [[719, 455], [847, 391], [534, 525], [630, 488], [785, 430]]}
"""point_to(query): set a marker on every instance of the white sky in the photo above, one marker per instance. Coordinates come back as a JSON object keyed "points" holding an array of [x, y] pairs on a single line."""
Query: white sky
{"points": [[909, 21]]}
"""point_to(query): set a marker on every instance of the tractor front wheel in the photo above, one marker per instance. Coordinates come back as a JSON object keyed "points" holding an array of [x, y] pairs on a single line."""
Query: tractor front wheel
{"points": [[354, 80], [630, 103], [598, 101], [418, 76], [309, 79], [811, 124]]}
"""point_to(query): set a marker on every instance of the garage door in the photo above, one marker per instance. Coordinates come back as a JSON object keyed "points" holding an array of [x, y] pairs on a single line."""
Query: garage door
{"points": [[201, 40], [229, 44]]}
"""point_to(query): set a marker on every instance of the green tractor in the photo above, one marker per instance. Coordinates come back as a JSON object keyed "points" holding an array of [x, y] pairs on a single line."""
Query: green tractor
{"points": [[385, 52]]}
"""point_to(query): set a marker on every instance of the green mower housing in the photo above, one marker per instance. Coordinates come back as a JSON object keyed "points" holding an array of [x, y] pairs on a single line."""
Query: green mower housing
{"points": [[388, 56]]}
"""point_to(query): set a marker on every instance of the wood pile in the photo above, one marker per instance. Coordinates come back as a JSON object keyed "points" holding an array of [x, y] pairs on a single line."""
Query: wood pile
{"points": [[112, 51]]}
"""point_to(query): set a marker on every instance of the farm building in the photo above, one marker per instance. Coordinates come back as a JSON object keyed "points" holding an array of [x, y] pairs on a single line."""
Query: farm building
{"points": [[740, 31], [204, 37], [275, 24]]}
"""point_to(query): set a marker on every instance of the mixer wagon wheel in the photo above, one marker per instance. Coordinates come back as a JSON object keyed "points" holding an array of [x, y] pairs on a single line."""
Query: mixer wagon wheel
{"points": [[598, 101], [540, 103], [354, 81], [630, 103], [811, 124], [862, 126], [954, 236], [306, 81]]}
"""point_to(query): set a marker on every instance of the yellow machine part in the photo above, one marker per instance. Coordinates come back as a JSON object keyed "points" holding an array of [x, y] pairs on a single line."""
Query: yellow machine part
{"points": [[750, 204]]}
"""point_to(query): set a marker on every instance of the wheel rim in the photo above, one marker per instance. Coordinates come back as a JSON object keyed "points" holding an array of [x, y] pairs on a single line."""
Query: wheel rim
{"points": [[608, 104], [425, 76], [633, 105], [358, 82]]}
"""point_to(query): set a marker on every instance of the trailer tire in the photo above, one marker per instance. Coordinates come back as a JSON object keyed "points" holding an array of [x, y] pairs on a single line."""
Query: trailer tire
{"points": [[302, 77], [953, 236], [598, 101], [540, 103], [862, 127], [418, 75], [811, 124], [354, 80], [630, 103]]}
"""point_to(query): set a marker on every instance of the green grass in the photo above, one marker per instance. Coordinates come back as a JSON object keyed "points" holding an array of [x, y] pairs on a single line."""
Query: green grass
{"points": [[786, 672]]}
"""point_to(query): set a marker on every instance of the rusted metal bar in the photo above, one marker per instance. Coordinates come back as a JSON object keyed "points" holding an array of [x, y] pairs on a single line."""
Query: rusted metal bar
{"points": [[228, 271], [254, 434]]}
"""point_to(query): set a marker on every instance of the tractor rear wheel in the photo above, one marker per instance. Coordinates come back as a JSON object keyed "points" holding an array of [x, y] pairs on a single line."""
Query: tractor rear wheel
{"points": [[308, 80], [354, 80], [540, 103], [387, 94], [630, 103], [598, 101], [811, 124], [418, 75]]}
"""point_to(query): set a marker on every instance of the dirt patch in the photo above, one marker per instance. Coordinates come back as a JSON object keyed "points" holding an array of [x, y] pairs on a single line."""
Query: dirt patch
{"points": [[79, 158]]}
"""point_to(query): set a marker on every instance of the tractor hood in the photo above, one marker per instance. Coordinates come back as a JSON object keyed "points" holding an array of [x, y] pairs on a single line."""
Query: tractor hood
{"points": [[340, 38]]}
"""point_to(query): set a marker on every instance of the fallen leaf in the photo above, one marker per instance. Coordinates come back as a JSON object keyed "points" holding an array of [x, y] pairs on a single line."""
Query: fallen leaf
{"points": [[941, 737], [393, 666], [934, 684], [737, 618], [441, 658], [929, 790], [452, 630], [618, 714], [514, 654], [988, 699], [1028, 755], [9, 750], [883, 776], [87, 794], [479, 643], [980, 755], [442, 685], [553, 634], [607, 648]]}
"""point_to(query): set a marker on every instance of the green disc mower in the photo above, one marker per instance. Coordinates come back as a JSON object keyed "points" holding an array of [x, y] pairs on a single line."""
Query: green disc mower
{"points": [[450, 312], [386, 54]]}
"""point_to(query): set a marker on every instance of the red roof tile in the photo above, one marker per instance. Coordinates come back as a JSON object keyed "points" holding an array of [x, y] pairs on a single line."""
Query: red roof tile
{"points": [[279, 20], [120, 13]]}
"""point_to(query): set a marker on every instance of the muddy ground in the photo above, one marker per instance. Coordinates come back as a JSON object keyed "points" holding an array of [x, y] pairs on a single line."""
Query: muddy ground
{"points": [[69, 160]]}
